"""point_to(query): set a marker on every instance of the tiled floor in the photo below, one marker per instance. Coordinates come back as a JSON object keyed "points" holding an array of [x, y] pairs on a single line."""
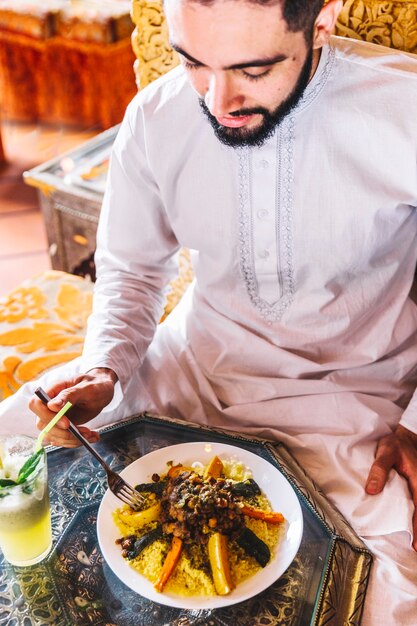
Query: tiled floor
{"points": [[23, 243]]}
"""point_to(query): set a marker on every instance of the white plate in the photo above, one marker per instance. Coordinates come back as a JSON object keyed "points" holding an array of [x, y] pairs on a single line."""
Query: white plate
{"points": [[278, 490]]}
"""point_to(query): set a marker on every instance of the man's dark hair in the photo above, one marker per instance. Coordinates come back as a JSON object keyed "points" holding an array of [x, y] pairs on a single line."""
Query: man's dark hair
{"points": [[299, 15]]}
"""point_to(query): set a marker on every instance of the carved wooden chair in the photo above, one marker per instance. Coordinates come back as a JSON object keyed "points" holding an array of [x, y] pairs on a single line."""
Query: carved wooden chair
{"points": [[388, 23], [392, 24]]}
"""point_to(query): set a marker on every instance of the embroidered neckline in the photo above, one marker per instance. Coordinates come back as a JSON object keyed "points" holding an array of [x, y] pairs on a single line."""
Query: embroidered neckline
{"points": [[271, 312], [318, 81], [285, 138]]}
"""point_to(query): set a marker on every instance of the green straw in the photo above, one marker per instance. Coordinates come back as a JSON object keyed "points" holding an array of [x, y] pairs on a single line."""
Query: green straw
{"points": [[51, 424]]}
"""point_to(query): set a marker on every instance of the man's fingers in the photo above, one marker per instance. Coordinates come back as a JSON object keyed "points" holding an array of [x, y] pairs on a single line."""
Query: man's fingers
{"points": [[377, 479], [88, 393], [396, 451], [45, 415], [415, 529], [67, 443], [58, 387], [380, 469], [65, 395], [62, 437], [412, 485], [89, 434], [82, 394]]}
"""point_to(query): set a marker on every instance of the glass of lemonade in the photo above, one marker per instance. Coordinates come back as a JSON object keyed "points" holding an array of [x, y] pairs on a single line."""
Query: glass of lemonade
{"points": [[25, 516]]}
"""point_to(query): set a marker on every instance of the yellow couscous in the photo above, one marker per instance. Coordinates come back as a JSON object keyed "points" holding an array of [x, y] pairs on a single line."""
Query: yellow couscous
{"points": [[192, 574]]}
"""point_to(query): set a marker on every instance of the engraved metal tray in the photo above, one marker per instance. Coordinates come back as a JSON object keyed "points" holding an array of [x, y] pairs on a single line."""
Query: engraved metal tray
{"points": [[325, 584]]}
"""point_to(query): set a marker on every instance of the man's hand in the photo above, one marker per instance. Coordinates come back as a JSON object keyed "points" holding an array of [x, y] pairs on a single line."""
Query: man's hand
{"points": [[89, 393], [396, 451]]}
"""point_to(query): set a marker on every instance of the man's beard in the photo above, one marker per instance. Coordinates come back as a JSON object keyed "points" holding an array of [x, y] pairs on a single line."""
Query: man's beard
{"points": [[238, 137]]}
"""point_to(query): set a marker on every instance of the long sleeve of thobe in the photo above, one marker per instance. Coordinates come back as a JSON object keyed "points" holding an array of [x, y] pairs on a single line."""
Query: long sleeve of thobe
{"points": [[134, 258]]}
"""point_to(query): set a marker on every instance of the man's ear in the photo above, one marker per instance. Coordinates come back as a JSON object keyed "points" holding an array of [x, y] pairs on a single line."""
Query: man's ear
{"points": [[325, 22]]}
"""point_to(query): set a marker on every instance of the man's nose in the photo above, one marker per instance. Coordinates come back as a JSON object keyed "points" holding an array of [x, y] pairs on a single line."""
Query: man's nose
{"points": [[221, 97]]}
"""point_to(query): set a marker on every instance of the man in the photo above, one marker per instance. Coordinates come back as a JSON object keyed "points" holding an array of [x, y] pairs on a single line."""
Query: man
{"points": [[288, 165]]}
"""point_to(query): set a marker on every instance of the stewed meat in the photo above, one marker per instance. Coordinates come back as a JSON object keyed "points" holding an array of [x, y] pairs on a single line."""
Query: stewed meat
{"points": [[192, 506]]}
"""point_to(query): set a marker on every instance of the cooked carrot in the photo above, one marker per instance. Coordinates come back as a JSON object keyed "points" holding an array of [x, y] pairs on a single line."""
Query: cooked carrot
{"points": [[214, 468], [267, 516], [169, 564]]}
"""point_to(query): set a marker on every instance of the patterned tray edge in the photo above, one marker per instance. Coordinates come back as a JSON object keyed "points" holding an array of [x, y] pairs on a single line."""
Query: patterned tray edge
{"points": [[346, 579]]}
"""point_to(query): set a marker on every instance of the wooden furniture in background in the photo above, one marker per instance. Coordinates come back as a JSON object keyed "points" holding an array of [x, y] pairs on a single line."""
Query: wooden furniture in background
{"points": [[392, 24], [68, 63], [71, 188], [154, 55], [57, 65]]}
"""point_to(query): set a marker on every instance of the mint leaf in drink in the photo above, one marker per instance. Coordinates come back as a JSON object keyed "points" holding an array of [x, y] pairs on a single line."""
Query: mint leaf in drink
{"points": [[29, 466], [7, 482]]}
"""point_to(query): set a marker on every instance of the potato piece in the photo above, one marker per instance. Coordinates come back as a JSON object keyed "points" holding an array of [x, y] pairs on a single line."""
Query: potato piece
{"points": [[219, 562], [138, 519], [214, 468]]}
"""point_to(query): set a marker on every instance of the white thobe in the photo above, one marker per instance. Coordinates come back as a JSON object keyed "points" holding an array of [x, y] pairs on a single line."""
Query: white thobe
{"points": [[299, 324]]}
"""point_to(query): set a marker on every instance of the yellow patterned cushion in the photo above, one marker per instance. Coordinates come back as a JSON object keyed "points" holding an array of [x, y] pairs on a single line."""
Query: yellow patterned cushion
{"points": [[43, 322]]}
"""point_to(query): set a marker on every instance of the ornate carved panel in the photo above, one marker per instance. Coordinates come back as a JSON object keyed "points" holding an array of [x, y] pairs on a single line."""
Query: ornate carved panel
{"points": [[392, 24], [154, 56]]}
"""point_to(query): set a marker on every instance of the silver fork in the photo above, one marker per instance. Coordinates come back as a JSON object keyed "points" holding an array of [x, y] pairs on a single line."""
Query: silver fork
{"points": [[125, 492]]}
